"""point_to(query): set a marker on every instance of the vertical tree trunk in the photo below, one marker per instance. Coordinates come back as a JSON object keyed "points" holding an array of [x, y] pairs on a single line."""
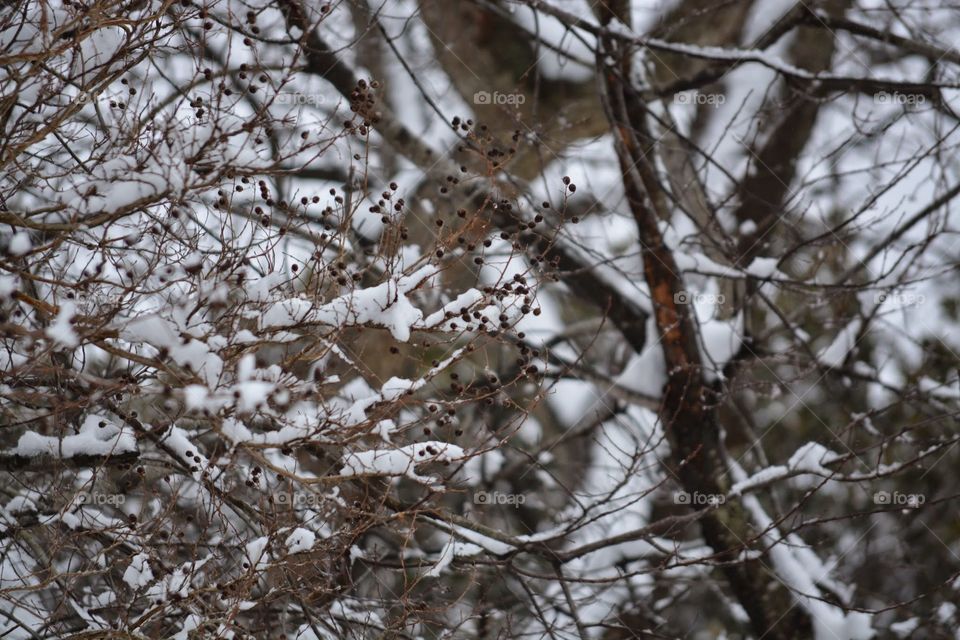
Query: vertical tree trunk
{"points": [[689, 422]]}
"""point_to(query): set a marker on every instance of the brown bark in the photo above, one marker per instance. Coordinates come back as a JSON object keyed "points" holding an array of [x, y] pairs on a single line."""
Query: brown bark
{"points": [[765, 193], [689, 421]]}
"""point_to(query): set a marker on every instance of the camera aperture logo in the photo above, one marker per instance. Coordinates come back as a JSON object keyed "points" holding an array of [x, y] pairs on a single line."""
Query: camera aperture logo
{"points": [[486, 498]]}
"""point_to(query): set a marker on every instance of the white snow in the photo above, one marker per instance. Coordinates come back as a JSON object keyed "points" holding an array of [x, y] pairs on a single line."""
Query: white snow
{"points": [[905, 628], [809, 459], [8, 284], [138, 574], [119, 183], [190, 623], [446, 557], [92, 440], [60, 330], [300, 540], [800, 570], [257, 554], [163, 333], [486, 542], [384, 305], [758, 479], [396, 387], [19, 244], [465, 300], [721, 340], [400, 461], [844, 342], [177, 583], [946, 611], [646, 372], [194, 396], [763, 268], [20, 504]]}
